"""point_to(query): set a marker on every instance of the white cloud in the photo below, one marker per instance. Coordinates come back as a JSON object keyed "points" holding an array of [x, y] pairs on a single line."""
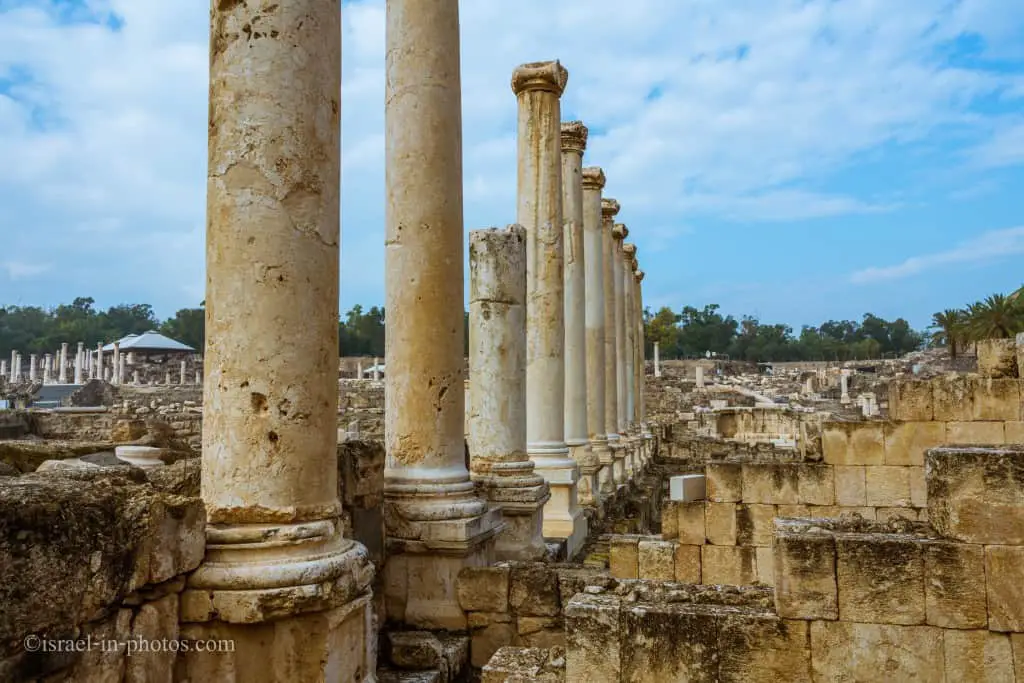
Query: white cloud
{"points": [[108, 130], [989, 246], [18, 270]]}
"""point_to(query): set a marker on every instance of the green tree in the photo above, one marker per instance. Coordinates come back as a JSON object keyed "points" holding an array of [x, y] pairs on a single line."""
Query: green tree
{"points": [[187, 326]]}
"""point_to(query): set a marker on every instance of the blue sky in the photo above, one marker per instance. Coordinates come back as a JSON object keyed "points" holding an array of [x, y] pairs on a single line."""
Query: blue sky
{"points": [[795, 159]]}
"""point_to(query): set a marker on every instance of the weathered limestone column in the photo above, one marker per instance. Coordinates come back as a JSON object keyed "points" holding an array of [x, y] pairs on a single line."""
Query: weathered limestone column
{"points": [[47, 369], [609, 209], [497, 390], [31, 367], [14, 366], [359, 369], [63, 370], [593, 250], [435, 521], [278, 578], [79, 361], [538, 87], [135, 377], [629, 357], [647, 438], [3, 370], [619, 234], [657, 360], [181, 372], [97, 368], [574, 142], [699, 376], [199, 378], [376, 369], [115, 363], [167, 377], [844, 384], [122, 369]]}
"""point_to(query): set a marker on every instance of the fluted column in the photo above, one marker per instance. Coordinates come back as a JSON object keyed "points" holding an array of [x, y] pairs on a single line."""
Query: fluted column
{"points": [[497, 390], [278, 578], [428, 491], [574, 142], [538, 87], [593, 249], [609, 209], [63, 371]]}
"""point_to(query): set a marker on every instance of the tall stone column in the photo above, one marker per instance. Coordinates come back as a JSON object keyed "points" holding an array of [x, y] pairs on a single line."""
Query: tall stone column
{"points": [[574, 143], [497, 390], [278, 578], [79, 361], [436, 523], [14, 366], [657, 360], [609, 209], [645, 435], [115, 361], [122, 368], [628, 357], [182, 372], [47, 369], [3, 370], [593, 249], [538, 88], [97, 368], [63, 370], [619, 233], [32, 367]]}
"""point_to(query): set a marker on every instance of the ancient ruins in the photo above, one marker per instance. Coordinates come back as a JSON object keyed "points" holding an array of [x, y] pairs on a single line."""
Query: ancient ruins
{"points": [[556, 507]]}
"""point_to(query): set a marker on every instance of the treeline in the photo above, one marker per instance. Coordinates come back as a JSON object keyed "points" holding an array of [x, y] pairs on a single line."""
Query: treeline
{"points": [[32, 329], [692, 332], [998, 316]]}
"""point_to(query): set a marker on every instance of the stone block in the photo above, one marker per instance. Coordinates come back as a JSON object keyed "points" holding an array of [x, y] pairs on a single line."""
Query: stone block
{"points": [[918, 487], [1017, 640], [845, 651], [886, 486], [623, 557], [720, 523], [887, 514], [155, 622], [541, 632], [996, 400], [515, 664], [728, 565], [668, 642], [793, 511], [690, 523], [906, 442], [762, 648], [997, 357], [805, 574], [484, 589], [816, 484], [489, 633], [669, 520], [911, 400], [593, 639], [687, 563], [850, 485], [880, 578], [755, 524], [853, 443], [978, 656], [775, 484], [656, 560], [724, 482], [534, 590], [975, 433], [687, 487], [976, 495], [765, 565], [954, 398], [1013, 432], [1004, 582]]}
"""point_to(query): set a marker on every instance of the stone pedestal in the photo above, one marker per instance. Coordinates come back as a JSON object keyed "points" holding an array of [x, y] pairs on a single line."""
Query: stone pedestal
{"points": [[538, 88], [278, 577], [435, 521], [497, 390]]}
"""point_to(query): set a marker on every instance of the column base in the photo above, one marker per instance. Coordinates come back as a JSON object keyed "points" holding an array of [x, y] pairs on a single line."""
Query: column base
{"points": [[425, 559], [563, 518], [522, 510], [619, 453], [293, 599], [589, 461]]}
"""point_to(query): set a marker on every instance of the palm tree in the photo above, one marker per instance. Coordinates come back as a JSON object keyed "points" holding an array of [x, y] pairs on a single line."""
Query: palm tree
{"points": [[948, 326], [997, 317]]}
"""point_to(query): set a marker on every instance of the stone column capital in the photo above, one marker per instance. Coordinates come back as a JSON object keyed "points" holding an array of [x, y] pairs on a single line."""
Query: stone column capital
{"points": [[639, 276], [593, 178], [620, 231], [609, 207], [629, 249], [574, 136], [544, 76]]}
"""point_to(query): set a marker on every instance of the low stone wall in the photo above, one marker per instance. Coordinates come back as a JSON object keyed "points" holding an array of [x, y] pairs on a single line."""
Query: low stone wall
{"points": [[361, 402], [94, 555]]}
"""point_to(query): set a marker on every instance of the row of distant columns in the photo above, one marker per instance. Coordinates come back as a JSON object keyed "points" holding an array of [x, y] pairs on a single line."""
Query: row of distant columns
{"points": [[83, 365]]}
